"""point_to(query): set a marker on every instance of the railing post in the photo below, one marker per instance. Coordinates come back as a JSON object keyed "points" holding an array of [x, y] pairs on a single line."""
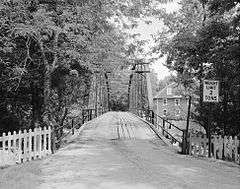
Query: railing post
{"points": [[184, 142], [72, 127], [83, 116], [152, 117], [90, 114], [163, 127]]}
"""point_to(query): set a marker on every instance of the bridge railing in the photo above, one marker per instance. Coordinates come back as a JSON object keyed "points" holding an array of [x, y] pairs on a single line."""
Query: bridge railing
{"points": [[178, 136], [59, 135], [88, 114]]}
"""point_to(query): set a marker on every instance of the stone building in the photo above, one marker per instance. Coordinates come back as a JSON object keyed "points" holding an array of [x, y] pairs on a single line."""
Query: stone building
{"points": [[169, 103]]}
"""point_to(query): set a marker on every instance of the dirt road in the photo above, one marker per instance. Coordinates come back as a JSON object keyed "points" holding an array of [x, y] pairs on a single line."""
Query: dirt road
{"points": [[118, 151]]}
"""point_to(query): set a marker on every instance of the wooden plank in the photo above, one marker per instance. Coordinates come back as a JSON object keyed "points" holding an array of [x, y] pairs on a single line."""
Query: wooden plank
{"points": [[230, 147], [44, 141], [9, 140], [40, 142], [14, 148], [25, 145], [35, 143], [30, 144], [19, 146]]}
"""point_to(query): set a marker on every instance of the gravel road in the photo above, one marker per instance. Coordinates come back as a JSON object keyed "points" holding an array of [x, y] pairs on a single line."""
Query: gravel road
{"points": [[119, 151]]}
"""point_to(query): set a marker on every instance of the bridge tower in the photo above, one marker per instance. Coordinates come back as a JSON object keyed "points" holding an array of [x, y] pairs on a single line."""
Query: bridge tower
{"points": [[99, 95], [139, 89]]}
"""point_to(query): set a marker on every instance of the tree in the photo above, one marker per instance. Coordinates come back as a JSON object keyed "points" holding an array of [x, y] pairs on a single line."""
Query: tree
{"points": [[44, 42], [204, 46]]}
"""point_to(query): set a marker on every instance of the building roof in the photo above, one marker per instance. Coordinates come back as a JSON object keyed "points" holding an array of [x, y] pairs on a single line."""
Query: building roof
{"points": [[176, 92]]}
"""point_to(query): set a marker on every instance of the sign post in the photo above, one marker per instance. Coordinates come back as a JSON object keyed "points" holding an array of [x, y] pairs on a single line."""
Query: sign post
{"points": [[211, 95]]}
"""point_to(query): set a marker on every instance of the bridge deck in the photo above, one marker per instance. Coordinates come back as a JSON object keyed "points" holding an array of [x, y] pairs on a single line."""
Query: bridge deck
{"points": [[118, 150]]}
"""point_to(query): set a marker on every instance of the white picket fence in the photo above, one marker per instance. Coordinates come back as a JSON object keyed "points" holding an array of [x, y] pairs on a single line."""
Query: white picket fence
{"points": [[227, 148], [26, 146]]}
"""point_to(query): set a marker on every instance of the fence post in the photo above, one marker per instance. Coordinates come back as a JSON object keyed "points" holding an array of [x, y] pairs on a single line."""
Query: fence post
{"points": [[184, 142]]}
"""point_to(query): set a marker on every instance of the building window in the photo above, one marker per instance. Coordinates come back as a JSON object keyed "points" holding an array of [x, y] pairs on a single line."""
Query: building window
{"points": [[169, 91], [165, 101], [164, 112], [177, 102]]}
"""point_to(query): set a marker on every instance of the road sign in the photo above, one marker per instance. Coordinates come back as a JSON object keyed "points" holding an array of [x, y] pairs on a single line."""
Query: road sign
{"points": [[210, 91]]}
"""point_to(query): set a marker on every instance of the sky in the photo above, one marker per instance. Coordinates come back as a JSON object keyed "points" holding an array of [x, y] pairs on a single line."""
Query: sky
{"points": [[146, 30]]}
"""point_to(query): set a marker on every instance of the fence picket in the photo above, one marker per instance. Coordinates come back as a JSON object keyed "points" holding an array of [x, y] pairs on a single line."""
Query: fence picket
{"points": [[223, 147], [14, 142], [35, 144], [44, 141], [40, 142], [9, 141], [30, 144], [19, 146], [49, 140], [27, 145], [24, 145]]}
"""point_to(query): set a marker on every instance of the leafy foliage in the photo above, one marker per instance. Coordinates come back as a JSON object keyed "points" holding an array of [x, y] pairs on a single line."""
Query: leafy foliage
{"points": [[201, 42], [48, 51]]}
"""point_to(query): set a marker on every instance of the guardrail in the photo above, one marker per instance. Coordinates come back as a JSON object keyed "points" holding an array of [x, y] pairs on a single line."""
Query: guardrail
{"points": [[88, 114], [164, 125]]}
